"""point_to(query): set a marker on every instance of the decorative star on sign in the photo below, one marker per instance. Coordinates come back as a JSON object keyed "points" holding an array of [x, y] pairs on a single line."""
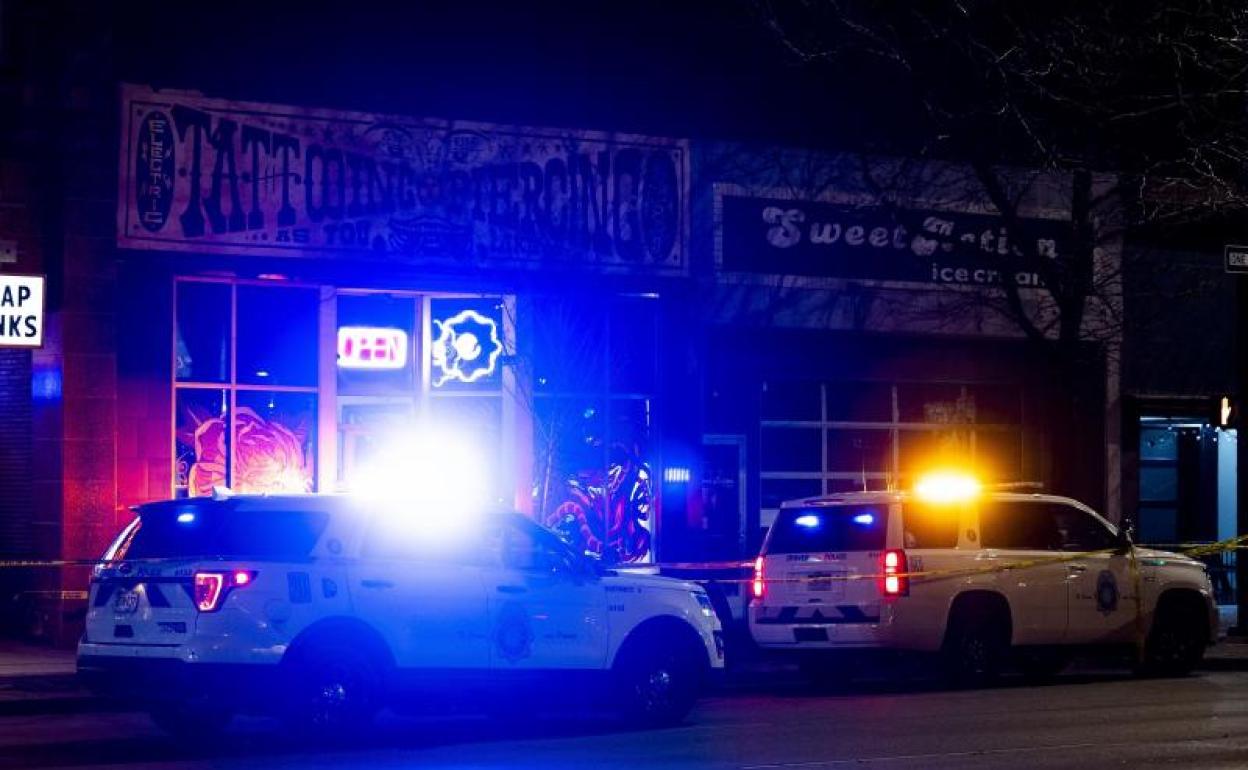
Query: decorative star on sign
{"points": [[466, 347]]}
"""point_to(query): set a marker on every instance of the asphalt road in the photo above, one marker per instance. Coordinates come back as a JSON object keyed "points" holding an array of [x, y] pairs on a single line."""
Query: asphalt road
{"points": [[1089, 720]]}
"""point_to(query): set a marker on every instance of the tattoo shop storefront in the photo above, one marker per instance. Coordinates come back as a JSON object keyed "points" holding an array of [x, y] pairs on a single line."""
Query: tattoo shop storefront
{"points": [[308, 292]]}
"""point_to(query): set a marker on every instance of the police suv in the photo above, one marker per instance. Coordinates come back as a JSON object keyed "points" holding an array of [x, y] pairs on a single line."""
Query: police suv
{"points": [[323, 610], [984, 578]]}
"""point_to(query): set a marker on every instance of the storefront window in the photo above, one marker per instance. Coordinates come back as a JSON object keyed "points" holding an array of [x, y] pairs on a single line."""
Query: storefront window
{"points": [[203, 332], [376, 344], [231, 427], [822, 438], [201, 438], [274, 449], [466, 344], [277, 336], [593, 423]]}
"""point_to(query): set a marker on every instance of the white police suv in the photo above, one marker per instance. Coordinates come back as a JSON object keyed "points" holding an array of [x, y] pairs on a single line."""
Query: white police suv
{"points": [[982, 577], [325, 609]]}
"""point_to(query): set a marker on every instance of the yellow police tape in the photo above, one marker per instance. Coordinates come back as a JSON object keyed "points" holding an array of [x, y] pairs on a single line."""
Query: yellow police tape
{"points": [[1192, 550]]}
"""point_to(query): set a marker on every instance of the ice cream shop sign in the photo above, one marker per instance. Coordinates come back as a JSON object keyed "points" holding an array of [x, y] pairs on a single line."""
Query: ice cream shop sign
{"points": [[207, 175], [21, 311]]}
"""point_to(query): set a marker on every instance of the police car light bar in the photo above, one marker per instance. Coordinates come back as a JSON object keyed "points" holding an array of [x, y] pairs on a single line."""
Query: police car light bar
{"points": [[947, 487]]}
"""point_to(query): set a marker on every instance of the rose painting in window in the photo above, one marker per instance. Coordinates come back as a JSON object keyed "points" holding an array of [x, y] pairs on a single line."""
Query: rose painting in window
{"points": [[269, 457]]}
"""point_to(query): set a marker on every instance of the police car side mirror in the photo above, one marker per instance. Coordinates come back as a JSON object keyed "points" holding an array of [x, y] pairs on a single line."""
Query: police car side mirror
{"points": [[1125, 537]]}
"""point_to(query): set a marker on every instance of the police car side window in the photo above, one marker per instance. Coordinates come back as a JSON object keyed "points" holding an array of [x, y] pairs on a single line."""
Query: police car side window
{"points": [[526, 549], [1022, 526], [930, 526], [1081, 532]]}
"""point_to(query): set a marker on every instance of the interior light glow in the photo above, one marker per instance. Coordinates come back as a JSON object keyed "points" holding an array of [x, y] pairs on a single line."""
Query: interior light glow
{"points": [[807, 520], [947, 487], [865, 519], [371, 347]]}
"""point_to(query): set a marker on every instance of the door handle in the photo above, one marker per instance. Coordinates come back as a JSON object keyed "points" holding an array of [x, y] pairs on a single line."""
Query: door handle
{"points": [[1077, 567], [512, 589], [377, 583]]}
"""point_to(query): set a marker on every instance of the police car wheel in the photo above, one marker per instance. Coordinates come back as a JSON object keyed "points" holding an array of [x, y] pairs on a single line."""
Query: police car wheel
{"points": [[1174, 646], [658, 684], [333, 687], [191, 721], [973, 653]]}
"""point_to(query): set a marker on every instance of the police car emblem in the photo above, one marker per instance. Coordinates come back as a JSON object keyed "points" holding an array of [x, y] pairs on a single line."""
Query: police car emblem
{"points": [[513, 636], [1106, 592]]}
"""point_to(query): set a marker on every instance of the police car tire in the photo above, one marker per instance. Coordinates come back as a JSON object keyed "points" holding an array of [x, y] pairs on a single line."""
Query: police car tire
{"points": [[657, 683], [974, 651], [190, 721], [1175, 645], [333, 686]]}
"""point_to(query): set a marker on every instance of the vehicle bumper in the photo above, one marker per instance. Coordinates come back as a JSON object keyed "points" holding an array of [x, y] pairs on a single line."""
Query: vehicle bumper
{"points": [[768, 632], [157, 679]]}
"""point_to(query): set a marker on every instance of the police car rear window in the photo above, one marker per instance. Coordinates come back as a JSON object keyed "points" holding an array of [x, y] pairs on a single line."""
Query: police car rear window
{"points": [[832, 528], [219, 532]]}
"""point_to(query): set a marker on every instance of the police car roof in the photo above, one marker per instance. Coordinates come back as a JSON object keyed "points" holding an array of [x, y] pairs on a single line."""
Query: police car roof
{"points": [[883, 496]]}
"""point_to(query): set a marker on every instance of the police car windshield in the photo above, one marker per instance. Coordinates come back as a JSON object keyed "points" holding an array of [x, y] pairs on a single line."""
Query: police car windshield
{"points": [[205, 531], [831, 528]]}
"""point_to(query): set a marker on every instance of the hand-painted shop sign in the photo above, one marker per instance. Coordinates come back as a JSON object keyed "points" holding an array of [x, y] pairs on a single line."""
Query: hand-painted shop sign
{"points": [[783, 236], [209, 175], [21, 311]]}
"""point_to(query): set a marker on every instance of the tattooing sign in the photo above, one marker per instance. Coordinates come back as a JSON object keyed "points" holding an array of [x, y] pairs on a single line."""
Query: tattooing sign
{"points": [[209, 175], [779, 235], [21, 311]]}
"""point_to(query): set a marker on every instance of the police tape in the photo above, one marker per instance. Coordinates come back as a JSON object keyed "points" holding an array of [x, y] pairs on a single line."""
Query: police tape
{"points": [[1195, 550], [1192, 550]]}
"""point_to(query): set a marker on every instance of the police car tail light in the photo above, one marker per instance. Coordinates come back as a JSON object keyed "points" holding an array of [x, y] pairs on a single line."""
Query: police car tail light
{"points": [[759, 587], [211, 588], [895, 582]]}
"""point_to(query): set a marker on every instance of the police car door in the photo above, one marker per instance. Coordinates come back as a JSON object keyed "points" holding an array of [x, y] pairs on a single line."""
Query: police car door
{"points": [[425, 596], [1022, 546], [1102, 598], [546, 610]]}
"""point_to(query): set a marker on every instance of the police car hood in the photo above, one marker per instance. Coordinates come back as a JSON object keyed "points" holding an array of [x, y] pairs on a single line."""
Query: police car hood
{"points": [[628, 577], [1169, 557]]}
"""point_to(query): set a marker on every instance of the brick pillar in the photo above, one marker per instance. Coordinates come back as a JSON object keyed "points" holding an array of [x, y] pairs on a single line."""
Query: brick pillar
{"points": [[88, 346]]}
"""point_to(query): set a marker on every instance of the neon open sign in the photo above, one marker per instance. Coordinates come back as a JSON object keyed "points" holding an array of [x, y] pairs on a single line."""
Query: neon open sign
{"points": [[371, 347]]}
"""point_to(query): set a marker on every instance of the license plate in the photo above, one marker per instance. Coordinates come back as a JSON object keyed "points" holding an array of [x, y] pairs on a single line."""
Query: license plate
{"points": [[127, 602], [827, 581]]}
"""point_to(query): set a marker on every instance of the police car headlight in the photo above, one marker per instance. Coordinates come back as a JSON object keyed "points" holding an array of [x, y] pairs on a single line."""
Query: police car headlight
{"points": [[704, 603]]}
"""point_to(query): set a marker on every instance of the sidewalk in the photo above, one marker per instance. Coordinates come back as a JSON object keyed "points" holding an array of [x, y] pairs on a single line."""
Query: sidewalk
{"points": [[36, 679]]}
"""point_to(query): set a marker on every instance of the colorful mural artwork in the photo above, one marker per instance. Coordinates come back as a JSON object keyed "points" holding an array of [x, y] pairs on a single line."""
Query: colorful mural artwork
{"points": [[609, 515], [269, 457]]}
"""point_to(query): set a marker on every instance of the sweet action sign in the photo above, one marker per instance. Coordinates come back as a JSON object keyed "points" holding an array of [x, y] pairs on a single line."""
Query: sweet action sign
{"points": [[21, 311], [209, 175]]}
